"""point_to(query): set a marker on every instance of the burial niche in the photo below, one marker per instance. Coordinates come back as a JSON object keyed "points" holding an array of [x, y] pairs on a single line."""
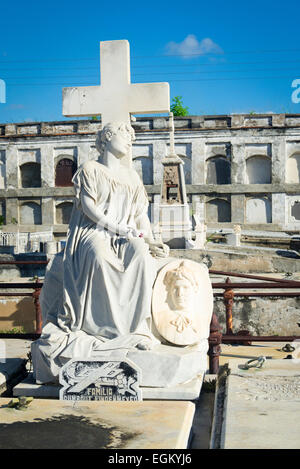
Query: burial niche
{"points": [[187, 168], [30, 214], [144, 167], [30, 174], [217, 211], [258, 210], [293, 169], [63, 213], [295, 210], [64, 172], [258, 170], [218, 170]]}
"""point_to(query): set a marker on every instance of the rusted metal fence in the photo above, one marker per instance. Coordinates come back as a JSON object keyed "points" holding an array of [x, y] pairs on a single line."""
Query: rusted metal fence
{"points": [[216, 337], [229, 294]]}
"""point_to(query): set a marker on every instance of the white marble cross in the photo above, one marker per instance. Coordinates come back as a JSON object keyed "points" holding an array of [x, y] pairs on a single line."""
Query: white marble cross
{"points": [[116, 98]]}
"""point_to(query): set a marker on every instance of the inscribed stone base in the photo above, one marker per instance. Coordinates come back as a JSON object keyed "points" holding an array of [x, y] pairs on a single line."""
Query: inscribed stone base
{"points": [[105, 425], [183, 392]]}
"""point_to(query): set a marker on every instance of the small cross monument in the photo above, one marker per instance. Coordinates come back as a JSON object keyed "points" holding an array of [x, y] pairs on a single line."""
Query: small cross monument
{"points": [[116, 98]]}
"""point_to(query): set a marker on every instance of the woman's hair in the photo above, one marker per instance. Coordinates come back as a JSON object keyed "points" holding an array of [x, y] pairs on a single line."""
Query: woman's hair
{"points": [[182, 272], [109, 130]]}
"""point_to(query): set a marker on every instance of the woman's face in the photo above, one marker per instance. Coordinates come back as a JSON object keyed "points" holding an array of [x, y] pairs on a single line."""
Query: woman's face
{"points": [[120, 143], [182, 294]]}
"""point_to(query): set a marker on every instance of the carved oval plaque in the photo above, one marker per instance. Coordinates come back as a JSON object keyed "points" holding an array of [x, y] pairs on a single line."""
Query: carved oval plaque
{"points": [[182, 302]]}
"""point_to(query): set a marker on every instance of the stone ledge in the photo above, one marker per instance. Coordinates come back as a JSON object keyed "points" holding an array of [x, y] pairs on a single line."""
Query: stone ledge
{"points": [[156, 123], [183, 392], [111, 425]]}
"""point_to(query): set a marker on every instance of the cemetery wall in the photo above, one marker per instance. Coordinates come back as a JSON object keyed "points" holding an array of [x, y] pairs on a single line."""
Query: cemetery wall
{"points": [[239, 169], [262, 315]]}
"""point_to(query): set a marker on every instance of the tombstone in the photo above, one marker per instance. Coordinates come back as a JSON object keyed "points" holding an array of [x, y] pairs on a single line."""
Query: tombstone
{"points": [[100, 380], [234, 239]]}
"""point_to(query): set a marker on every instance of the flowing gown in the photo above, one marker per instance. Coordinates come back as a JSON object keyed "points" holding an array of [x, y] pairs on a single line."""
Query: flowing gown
{"points": [[102, 301]]}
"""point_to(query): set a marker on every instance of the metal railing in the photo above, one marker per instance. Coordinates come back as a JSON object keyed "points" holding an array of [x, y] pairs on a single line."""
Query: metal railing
{"points": [[244, 337]]}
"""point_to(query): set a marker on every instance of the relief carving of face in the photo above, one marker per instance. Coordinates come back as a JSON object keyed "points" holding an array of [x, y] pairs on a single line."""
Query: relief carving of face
{"points": [[182, 287], [182, 294], [182, 302]]}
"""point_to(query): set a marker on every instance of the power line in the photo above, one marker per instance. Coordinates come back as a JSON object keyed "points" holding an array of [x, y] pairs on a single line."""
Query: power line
{"points": [[154, 73], [152, 65], [196, 54], [172, 81]]}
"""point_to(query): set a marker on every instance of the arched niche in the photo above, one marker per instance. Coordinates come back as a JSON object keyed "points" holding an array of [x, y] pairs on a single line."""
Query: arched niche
{"points": [[293, 169], [64, 171], [30, 175], [187, 168], [295, 210], [63, 213], [258, 210], [30, 214], [258, 170], [218, 170], [144, 167], [217, 211]]}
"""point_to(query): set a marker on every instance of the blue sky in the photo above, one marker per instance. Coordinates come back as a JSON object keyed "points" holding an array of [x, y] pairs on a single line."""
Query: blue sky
{"points": [[221, 57]]}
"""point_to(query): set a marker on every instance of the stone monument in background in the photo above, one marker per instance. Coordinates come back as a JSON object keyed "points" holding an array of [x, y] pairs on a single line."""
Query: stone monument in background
{"points": [[174, 211]]}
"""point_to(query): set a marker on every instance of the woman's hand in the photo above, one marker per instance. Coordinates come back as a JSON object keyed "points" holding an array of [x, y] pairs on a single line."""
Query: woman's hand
{"points": [[158, 249]]}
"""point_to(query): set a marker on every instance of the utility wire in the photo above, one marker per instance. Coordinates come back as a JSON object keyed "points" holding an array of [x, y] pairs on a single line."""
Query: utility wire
{"points": [[171, 81], [197, 54], [154, 73], [154, 65]]}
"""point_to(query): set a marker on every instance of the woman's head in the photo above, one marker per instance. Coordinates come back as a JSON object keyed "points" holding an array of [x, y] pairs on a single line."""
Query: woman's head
{"points": [[117, 136], [182, 285]]}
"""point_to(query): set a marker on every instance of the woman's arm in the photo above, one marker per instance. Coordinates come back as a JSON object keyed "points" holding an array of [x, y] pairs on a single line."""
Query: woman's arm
{"points": [[143, 224], [157, 248], [90, 209]]}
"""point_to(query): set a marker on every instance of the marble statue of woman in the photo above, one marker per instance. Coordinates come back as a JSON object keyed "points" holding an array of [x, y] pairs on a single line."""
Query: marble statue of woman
{"points": [[108, 264]]}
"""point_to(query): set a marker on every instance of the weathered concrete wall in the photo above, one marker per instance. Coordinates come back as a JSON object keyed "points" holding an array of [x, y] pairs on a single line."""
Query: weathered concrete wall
{"points": [[240, 260], [263, 315], [259, 152], [17, 314]]}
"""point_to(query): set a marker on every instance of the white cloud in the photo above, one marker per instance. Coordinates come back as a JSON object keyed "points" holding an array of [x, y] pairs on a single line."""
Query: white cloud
{"points": [[190, 47]]}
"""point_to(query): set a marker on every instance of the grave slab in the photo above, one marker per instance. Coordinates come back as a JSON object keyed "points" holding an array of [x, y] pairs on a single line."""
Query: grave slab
{"points": [[262, 406], [51, 424], [183, 392]]}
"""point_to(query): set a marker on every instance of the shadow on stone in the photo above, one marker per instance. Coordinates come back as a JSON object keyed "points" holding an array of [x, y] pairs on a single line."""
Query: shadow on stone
{"points": [[53, 433]]}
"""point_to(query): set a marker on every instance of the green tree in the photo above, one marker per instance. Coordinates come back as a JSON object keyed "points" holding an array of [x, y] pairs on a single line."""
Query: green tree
{"points": [[177, 107]]}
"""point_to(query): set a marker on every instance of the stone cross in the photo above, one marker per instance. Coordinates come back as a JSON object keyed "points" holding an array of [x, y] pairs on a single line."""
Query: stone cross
{"points": [[116, 98]]}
